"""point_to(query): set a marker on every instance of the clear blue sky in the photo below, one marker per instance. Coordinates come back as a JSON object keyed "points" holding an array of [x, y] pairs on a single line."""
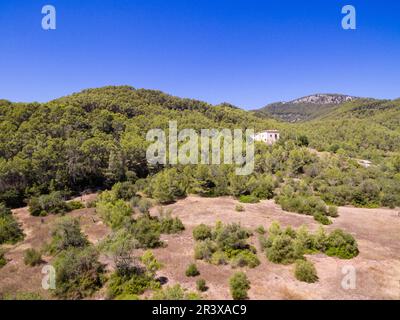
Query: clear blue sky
{"points": [[245, 52]]}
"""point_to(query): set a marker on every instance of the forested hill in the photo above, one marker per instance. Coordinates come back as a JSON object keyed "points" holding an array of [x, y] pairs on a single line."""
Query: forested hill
{"points": [[305, 108], [94, 138]]}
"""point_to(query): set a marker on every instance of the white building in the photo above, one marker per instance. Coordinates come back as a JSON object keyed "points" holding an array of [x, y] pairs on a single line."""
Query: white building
{"points": [[268, 136]]}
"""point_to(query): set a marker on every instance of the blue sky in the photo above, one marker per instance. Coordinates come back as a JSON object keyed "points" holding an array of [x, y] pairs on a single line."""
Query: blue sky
{"points": [[245, 52]]}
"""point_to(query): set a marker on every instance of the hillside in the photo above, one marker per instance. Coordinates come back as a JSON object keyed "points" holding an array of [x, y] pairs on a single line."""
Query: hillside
{"points": [[88, 200], [305, 108], [94, 138]]}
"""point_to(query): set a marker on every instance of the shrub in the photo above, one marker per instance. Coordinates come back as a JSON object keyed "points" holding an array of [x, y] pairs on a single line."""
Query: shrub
{"points": [[47, 203], [201, 285], [150, 262], [119, 245], [169, 225], [192, 270], [245, 258], [10, 230], [175, 292], [202, 232], [333, 211], [219, 257], [239, 285], [128, 285], [32, 257], [305, 271], [66, 234], [239, 208], [341, 245], [74, 205], [321, 218], [115, 213], [231, 237], [124, 190], [3, 260], [282, 250], [260, 230], [248, 199], [147, 232], [144, 205], [78, 273], [204, 250]]}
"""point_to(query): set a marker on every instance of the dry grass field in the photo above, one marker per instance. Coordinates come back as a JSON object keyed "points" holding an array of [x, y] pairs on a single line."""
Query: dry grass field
{"points": [[377, 266]]}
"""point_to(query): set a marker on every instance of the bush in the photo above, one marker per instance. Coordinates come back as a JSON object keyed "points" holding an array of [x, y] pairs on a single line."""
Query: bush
{"points": [[192, 270], [282, 250], [239, 208], [201, 285], [175, 292], [47, 203], [32, 257], [341, 245], [248, 199], [239, 285], [124, 190], [305, 271], [202, 232], [78, 273], [144, 205], [74, 205], [219, 257], [169, 225], [124, 286], [66, 234], [3, 260], [115, 213], [245, 258], [10, 230], [321, 218], [260, 230], [204, 250], [333, 211], [147, 231]]}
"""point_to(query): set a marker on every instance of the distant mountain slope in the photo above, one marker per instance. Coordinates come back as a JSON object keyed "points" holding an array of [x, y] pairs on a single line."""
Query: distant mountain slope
{"points": [[305, 108]]}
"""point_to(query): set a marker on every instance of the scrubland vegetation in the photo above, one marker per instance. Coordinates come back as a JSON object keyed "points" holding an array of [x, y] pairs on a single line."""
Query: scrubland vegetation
{"points": [[225, 244], [288, 245], [96, 140]]}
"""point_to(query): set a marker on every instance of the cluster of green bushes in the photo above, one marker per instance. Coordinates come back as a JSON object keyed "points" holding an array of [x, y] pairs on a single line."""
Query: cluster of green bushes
{"points": [[288, 245], [10, 230], [132, 279], [146, 229], [295, 197], [51, 203], [78, 272], [211, 180], [224, 244]]}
